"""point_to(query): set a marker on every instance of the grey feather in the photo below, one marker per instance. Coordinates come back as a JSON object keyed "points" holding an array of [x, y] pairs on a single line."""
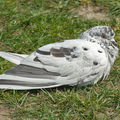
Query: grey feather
{"points": [[23, 83], [43, 52], [31, 72]]}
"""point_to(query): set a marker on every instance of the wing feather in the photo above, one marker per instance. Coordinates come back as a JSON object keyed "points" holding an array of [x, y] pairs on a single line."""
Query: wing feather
{"points": [[70, 62]]}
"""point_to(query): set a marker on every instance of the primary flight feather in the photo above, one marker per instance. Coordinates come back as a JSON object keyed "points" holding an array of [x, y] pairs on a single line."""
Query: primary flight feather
{"points": [[81, 61]]}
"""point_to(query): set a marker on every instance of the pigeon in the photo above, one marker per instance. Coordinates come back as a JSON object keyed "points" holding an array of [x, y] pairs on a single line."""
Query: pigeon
{"points": [[76, 62]]}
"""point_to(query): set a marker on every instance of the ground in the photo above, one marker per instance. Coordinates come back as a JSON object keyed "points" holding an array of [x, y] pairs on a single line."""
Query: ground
{"points": [[27, 25], [4, 113], [90, 12]]}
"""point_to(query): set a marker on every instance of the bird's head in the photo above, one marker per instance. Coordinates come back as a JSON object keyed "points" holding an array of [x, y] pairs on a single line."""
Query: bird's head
{"points": [[100, 33], [103, 35]]}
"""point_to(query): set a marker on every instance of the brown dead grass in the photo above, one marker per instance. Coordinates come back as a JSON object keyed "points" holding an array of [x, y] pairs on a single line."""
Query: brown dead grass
{"points": [[90, 12], [4, 112]]}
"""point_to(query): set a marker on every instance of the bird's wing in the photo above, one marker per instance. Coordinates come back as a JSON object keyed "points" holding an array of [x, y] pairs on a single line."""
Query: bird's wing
{"points": [[70, 62], [13, 57]]}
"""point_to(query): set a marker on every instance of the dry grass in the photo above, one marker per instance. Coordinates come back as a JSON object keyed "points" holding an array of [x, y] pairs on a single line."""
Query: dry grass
{"points": [[4, 112], [90, 12]]}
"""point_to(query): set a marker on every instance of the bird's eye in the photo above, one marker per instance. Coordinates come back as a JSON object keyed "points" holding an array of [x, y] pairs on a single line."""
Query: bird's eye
{"points": [[102, 36]]}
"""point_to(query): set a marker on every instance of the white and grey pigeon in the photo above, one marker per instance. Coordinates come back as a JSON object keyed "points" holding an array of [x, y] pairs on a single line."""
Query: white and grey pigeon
{"points": [[81, 61]]}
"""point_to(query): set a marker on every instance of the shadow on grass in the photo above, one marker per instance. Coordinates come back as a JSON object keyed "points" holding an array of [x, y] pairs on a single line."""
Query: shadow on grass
{"points": [[55, 89]]}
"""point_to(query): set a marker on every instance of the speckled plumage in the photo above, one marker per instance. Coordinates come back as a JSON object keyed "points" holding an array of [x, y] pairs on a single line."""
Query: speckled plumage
{"points": [[81, 61]]}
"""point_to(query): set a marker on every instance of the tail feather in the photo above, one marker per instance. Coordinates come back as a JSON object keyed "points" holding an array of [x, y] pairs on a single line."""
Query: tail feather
{"points": [[13, 57], [23, 83]]}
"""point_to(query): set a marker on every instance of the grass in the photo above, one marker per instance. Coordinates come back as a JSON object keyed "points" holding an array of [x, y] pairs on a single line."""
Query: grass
{"points": [[27, 25]]}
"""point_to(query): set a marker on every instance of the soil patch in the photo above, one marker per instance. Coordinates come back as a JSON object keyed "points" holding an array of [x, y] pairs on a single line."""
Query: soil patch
{"points": [[91, 12], [4, 112]]}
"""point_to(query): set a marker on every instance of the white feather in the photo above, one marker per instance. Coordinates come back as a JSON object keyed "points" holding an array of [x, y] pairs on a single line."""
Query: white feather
{"points": [[13, 57]]}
